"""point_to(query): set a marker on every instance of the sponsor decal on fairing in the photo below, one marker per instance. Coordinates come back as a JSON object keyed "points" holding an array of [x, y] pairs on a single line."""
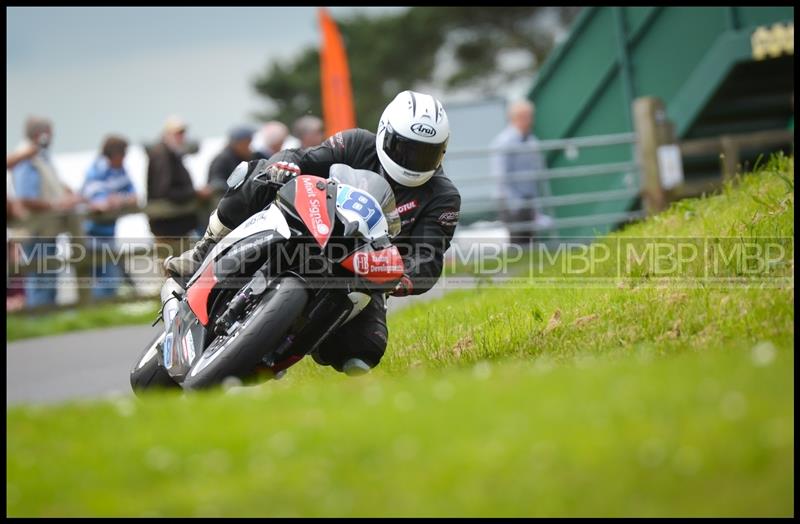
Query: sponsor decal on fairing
{"points": [[167, 350], [310, 204], [378, 266]]}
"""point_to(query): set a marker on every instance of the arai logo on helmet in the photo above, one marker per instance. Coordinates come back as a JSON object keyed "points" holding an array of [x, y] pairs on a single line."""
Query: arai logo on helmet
{"points": [[423, 130]]}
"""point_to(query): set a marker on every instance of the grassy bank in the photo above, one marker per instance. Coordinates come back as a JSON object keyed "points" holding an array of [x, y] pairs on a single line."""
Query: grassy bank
{"points": [[640, 395], [693, 435]]}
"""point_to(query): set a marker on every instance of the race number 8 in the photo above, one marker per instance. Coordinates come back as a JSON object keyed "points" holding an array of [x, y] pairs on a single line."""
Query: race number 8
{"points": [[364, 206]]}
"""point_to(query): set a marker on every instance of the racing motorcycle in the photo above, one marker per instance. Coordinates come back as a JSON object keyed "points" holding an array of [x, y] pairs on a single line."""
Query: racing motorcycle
{"points": [[275, 287]]}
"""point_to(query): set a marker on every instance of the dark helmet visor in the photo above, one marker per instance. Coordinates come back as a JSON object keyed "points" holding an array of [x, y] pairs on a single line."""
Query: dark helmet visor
{"points": [[411, 154]]}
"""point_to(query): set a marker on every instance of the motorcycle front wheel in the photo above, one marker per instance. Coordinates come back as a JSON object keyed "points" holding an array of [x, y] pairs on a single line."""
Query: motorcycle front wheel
{"points": [[259, 332]]}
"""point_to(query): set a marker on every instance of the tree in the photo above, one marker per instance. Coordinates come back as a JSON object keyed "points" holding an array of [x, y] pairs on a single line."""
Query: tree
{"points": [[448, 49]]}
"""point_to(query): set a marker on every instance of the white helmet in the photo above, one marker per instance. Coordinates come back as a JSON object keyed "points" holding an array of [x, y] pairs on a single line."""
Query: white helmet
{"points": [[412, 138]]}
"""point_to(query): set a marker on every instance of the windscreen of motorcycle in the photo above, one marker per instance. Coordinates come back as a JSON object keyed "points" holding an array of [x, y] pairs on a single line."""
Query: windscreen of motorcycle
{"points": [[364, 197]]}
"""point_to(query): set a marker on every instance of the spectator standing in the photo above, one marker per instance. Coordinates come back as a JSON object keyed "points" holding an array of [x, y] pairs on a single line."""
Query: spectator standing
{"points": [[515, 170], [15, 294], [39, 189], [270, 139], [309, 130], [27, 151], [235, 152], [14, 208], [107, 188], [168, 179]]}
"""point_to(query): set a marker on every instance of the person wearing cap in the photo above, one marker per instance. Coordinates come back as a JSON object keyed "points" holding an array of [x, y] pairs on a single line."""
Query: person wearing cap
{"points": [[168, 179], [237, 150]]}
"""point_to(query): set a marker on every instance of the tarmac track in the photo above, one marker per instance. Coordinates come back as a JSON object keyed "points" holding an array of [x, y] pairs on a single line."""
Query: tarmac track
{"points": [[91, 364]]}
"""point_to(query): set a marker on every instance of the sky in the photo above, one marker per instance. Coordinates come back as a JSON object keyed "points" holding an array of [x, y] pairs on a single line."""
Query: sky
{"points": [[94, 71]]}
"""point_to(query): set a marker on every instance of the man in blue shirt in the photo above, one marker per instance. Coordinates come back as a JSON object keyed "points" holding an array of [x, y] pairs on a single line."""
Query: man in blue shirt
{"points": [[515, 171], [107, 188], [38, 188]]}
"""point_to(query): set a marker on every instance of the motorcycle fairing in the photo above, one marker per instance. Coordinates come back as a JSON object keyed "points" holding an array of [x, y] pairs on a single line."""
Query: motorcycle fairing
{"points": [[361, 208], [378, 267], [263, 227], [269, 219], [197, 295], [186, 337], [311, 205]]}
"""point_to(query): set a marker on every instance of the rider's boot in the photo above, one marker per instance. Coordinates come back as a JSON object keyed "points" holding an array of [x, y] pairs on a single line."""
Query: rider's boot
{"points": [[355, 367], [352, 367], [190, 261]]}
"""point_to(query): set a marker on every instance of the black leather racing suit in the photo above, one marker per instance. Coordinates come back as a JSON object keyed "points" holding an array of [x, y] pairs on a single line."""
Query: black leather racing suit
{"points": [[429, 214]]}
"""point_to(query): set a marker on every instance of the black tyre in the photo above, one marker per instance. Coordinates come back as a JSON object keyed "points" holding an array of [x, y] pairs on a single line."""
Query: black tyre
{"points": [[148, 374], [261, 331]]}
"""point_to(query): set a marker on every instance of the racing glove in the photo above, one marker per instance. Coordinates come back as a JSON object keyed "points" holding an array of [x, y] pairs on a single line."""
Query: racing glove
{"points": [[281, 172], [403, 288]]}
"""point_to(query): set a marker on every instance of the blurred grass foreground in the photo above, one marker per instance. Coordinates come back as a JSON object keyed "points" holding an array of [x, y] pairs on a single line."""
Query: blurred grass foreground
{"points": [[642, 398]]}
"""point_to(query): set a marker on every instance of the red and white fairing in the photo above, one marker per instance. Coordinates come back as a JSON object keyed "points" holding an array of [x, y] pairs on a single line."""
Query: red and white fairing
{"points": [[310, 203], [379, 267]]}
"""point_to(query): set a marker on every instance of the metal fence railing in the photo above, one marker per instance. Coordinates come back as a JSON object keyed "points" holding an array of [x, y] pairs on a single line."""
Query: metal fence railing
{"points": [[471, 184], [475, 184]]}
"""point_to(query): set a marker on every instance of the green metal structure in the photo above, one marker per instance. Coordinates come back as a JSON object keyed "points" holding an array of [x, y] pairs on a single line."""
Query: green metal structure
{"points": [[698, 60]]}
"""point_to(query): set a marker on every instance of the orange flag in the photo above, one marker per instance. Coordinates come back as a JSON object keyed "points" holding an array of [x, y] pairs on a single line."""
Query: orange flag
{"points": [[337, 95]]}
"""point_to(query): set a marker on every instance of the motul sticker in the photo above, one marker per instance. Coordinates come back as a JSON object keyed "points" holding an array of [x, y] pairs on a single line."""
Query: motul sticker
{"points": [[408, 206], [310, 204], [448, 219]]}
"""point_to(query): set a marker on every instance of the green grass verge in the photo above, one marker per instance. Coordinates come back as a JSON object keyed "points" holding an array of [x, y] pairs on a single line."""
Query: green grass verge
{"points": [[641, 397], [559, 317], [24, 325], [694, 435]]}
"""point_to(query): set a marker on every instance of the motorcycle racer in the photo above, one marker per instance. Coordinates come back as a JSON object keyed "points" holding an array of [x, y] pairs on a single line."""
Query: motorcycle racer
{"points": [[408, 150]]}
